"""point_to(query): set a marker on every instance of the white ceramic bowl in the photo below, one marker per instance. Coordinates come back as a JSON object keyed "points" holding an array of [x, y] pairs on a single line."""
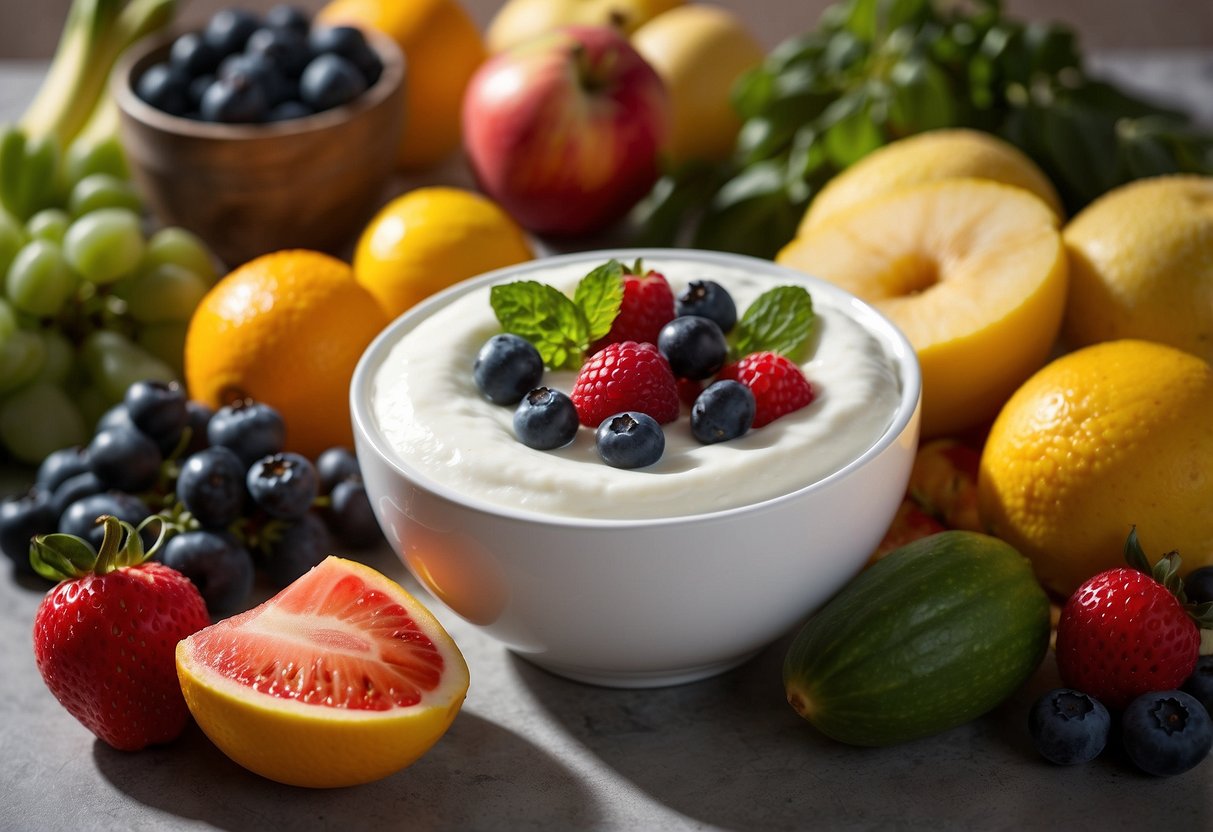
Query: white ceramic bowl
{"points": [[639, 603]]}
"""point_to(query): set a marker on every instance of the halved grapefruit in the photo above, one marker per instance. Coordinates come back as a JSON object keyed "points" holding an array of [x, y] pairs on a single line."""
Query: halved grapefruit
{"points": [[341, 678]]}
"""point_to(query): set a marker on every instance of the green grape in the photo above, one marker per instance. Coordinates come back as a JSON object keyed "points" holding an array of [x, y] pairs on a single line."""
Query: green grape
{"points": [[84, 158], [40, 280], [60, 357], [166, 292], [49, 224], [184, 248], [40, 418], [105, 244], [8, 321], [114, 363], [101, 190], [12, 238], [91, 402], [21, 358], [166, 341]]}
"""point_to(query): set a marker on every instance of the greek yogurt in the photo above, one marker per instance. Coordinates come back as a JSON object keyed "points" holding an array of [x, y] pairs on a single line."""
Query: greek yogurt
{"points": [[427, 407]]}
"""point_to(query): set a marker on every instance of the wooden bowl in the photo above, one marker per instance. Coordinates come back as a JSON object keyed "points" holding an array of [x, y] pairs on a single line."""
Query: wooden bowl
{"points": [[248, 189]]}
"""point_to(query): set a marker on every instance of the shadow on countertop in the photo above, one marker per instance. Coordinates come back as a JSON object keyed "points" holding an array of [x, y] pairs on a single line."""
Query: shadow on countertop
{"points": [[729, 752], [192, 779]]}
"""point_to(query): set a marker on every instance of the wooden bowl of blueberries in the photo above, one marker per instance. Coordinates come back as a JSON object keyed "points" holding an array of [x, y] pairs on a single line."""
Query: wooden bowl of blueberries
{"points": [[260, 133]]}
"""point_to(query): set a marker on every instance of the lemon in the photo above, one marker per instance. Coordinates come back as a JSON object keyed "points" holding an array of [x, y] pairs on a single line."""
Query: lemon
{"points": [[929, 157], [1141, 265], [1107, 437], [432, 238], [340, 679]]}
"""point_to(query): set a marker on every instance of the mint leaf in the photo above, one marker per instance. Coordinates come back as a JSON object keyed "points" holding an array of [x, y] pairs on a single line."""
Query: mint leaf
{"points": [[780, 320], [545, 317], [598, 296]]}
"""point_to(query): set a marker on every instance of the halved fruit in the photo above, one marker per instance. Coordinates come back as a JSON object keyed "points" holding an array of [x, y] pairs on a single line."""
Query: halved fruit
{"points": [[972, 271], [341, 678]]}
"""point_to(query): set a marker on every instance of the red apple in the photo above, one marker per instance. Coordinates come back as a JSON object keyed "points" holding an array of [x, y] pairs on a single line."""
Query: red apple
{"points": [[564, 130]]}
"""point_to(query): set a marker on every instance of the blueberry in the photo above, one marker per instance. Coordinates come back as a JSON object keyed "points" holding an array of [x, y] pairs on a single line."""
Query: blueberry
{"points": [[545, 419], [164, 88], [198, 416], [297, 547], [1200, 683], [349, 515], [228, 30], [334, 465], [329, 81], [288, 17], [630, 440], [259, 69], [157, 408], [73, 489], [236, 99], [80, 518], [197, 88], [1166, 732], [1199, 585], [211, 486], [218, 565], [192, 56], [285, 48], [708, 299], [506, 367], [59, 466], [116, 417], [125, 459], [1068, 727], [283, 484], [249, 428], [22, 518], [694, 346], [724, 411], [287, 111], [349, 43]]}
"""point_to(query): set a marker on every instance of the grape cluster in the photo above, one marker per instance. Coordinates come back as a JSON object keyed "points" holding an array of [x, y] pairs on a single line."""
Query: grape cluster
{"points": [[234, 499], [88, 306]]}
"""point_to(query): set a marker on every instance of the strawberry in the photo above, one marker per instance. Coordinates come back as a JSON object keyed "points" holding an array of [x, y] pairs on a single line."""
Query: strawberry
{"points": [[778, 385], [647, 306], [105, 637], [1127, 631], [625, 376]]}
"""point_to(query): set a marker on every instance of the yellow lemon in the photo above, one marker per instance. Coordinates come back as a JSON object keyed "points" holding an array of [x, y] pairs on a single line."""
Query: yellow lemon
{"points": [[974, 273], [442, 50], [431, 238], [342, 678], [929, 157], [1141, 265], [286, 329], [1104, 438], [520, 20]]}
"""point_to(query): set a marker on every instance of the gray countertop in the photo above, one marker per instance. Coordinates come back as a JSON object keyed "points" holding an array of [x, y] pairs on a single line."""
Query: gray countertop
{"points": [[531, 750]]}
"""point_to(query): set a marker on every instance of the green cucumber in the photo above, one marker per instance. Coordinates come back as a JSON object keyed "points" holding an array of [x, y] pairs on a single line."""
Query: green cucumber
{"points": [[934, 635]]}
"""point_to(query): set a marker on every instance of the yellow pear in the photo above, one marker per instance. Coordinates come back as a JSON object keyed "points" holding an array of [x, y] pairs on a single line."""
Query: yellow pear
{"points": [[699, 51], [519, 20]]}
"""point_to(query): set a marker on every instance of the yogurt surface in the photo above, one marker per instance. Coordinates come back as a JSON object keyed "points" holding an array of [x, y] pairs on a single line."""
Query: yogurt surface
{"points": [[428, 409]]}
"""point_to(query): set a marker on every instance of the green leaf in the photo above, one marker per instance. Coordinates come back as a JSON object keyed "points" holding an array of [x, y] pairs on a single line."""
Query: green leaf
{"points": [[852, 137], [546, 318], [1135, 556], [751, 213], [779, 320], [60, 557], [598, 296], [922, 97], [752, 92]]}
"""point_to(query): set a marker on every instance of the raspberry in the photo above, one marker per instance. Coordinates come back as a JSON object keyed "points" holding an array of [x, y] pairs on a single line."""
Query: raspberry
{"points": [[625, 376], [778, 385], [648, 305]]}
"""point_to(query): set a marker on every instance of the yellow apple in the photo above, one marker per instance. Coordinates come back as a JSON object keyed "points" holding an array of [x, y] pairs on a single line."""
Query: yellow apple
{"points": [[699, 51], [520, 20]]}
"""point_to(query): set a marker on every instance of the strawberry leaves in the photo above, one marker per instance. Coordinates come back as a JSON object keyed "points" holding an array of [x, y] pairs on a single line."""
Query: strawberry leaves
{"points": [[1166, 573], [60, 557], [561, 328]]}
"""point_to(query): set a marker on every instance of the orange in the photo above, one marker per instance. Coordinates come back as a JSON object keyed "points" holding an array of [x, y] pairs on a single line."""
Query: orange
{"points": [[1104, 438], [342, 678], [285, 329], [431, 238], [442, 50], [972, 271]]}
